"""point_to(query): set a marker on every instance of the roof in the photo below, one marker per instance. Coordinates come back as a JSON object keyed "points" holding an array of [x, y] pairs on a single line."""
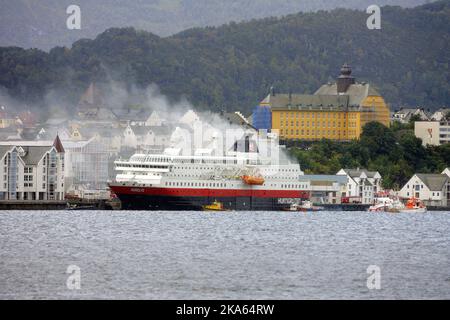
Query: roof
{"points": [[58, 145], [23, 143], [324, 178], [132, 114], [4, 149], [443, 110], [356, 173], [434, 182], [308, 101], [236, 118], [356, 92], [163, 130], [140, 130], [104, 132], [33, 154]]}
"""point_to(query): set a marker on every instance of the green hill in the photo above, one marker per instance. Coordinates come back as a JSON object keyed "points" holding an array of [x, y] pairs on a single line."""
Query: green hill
{"points": [[42, 24], [234, 65]]}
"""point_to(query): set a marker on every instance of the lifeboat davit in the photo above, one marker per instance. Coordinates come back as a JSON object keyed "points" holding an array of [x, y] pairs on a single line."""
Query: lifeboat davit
{"points": [[252, 180]]}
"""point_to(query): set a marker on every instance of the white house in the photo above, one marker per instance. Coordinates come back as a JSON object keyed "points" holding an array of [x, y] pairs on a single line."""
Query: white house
{"points": [[446, 172], [154, 120], [190, 118], [432, 189], [32, 170], [324, 188], [362, 184], [404, 115], [440, 114], [151, 139]]}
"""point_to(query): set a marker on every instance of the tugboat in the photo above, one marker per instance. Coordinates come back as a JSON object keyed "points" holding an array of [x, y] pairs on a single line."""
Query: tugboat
{"points": [[215, 206], [414, 205]]}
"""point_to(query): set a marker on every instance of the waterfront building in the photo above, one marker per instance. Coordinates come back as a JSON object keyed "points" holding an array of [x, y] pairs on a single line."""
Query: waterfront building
{"points": [[363, 185], [432, 132], [87, 165], [325, 189], [432, 189], [32, 170], [336, 111]]}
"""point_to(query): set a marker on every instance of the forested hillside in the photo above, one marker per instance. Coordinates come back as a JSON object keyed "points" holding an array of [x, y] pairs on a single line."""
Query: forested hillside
{"points": [[42, 24], [233, 66]]}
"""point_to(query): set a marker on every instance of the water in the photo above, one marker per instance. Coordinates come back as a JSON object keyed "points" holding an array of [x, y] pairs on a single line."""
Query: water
{"points": [[243, 255]]}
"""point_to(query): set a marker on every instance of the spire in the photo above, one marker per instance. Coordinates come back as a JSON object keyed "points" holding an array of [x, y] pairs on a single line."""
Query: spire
{"points": [[345, 79], [58, 145]]}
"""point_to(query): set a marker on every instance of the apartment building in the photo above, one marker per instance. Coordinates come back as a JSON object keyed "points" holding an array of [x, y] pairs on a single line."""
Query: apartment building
{"points": [[31, 170]]}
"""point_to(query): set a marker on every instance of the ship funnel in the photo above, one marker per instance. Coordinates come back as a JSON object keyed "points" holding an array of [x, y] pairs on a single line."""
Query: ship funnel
{"points": [[245, 145]]}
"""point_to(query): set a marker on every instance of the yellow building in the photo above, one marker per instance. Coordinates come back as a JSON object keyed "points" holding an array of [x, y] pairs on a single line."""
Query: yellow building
{"points": [[336, 111]]}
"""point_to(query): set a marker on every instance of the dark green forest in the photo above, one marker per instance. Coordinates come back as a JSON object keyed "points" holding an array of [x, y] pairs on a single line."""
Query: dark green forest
{"points": [[233, 66], [41, 24], [395, 152]]}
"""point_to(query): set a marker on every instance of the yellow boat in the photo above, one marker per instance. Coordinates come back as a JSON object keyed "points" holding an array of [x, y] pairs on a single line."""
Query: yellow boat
{"points": [[215, 206]]}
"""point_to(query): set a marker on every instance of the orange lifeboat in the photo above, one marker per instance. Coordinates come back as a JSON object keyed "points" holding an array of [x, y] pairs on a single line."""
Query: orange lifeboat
{"points": [[252, 180]]}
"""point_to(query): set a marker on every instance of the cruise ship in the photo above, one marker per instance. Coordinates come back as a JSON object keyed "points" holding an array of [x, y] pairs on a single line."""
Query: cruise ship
{"points": [[240, 179]]}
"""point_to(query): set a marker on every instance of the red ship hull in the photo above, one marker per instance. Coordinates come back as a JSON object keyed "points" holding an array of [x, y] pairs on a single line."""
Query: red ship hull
{"points": [[150, 198]]}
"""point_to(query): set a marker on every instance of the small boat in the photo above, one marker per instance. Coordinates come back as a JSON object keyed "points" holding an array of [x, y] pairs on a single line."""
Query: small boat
{"points": [[306, 206], [387, 205], [414, 205], [253, 180], [215, 206]]}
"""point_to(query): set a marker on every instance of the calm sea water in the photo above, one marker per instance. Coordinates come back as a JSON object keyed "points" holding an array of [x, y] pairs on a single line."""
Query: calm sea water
{"points": [[242, 255]]}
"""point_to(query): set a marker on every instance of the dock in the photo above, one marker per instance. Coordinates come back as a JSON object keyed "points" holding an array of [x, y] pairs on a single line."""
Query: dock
{"points": [[32, 205]]}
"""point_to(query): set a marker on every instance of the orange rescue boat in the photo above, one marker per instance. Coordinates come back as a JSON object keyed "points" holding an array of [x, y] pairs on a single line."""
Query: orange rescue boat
{"points": [[252, 180]]}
